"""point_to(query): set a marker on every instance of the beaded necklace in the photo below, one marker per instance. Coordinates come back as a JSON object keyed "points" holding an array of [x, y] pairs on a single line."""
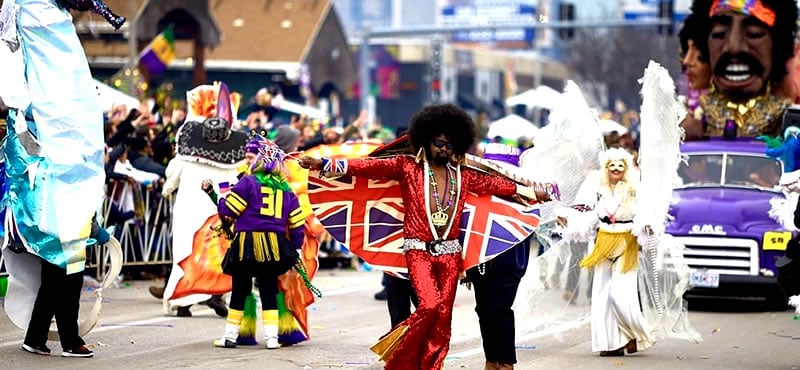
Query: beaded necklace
{"points": [[761, 115], [440, 217]]}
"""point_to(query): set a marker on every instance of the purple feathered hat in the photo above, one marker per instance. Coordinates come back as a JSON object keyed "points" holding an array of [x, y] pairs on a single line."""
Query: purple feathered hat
{"points": [[270, 157], [252, 147]]}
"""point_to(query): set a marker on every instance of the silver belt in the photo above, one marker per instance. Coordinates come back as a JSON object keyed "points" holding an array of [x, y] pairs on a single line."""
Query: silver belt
{"points": [[436, 247]]}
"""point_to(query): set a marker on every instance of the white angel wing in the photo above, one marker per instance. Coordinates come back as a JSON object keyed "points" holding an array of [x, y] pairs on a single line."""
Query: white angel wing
{"points": [[555, 291], [565, 150], [659, 153], [663, 272]]}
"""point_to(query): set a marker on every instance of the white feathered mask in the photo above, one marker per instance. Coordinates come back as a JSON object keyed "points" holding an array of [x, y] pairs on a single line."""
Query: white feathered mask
{"points": [[616, 158]]}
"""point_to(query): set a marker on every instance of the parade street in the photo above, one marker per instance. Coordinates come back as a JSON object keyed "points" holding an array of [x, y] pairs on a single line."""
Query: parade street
{"points": [[134, 333]]}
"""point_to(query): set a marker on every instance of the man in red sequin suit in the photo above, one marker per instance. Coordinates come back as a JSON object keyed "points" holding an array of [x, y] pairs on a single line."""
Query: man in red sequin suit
{"points": [[433, 186]]}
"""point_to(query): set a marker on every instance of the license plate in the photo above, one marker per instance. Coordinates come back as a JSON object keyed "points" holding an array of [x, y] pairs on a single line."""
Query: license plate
{"points": [[704, 279]]}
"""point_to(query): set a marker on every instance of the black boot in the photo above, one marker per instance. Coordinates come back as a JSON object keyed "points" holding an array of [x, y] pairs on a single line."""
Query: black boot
{"points": [[183, 311], [218, 305]]}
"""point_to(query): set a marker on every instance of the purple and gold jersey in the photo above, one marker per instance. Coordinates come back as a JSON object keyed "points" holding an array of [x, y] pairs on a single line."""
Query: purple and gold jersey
{"points": [[258, 208]]}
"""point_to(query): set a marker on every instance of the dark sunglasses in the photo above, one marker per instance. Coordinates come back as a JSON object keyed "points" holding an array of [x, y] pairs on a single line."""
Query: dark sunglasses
{"points": [[442, 144]]}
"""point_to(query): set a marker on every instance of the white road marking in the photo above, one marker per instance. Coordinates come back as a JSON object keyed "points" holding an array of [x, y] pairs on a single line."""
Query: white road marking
{"points": [[117, 324]]}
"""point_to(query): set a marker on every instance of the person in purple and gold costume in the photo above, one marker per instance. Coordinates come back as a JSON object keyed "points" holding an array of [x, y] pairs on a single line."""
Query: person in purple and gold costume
{"points": [[264, 208]]}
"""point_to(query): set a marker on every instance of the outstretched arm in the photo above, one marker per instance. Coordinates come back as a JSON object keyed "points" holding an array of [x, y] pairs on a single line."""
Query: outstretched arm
{"points": [[373, 168], [481, 183]]}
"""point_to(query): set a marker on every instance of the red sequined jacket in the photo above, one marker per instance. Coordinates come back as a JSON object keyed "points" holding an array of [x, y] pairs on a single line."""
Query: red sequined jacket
{"points": [[413, 181]]}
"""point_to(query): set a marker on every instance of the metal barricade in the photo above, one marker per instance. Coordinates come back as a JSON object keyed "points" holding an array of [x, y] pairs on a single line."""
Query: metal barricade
{"points": [[145, 238]]}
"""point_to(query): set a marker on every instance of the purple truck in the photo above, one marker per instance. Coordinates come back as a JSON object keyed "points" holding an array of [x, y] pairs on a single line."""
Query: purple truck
{"points": [[720, 213]]}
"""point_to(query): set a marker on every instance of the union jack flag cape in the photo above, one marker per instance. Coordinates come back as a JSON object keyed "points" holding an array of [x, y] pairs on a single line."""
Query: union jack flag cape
{"points": [[367, 216]]}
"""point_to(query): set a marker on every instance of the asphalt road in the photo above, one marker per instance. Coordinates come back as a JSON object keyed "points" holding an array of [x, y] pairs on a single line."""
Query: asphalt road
{"points": [[135, 333]]}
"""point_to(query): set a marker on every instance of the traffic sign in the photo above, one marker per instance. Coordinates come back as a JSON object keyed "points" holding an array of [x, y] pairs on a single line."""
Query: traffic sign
{"points": [[488, 15]]}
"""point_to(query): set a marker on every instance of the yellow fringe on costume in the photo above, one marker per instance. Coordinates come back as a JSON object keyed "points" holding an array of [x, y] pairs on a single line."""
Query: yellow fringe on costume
{"points": [[265, 246], [607, 243], [387, 345]]}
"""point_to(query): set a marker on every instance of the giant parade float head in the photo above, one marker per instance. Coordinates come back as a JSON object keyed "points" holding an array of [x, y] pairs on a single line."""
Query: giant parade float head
{"points": [[207, 137], [748, 44]]}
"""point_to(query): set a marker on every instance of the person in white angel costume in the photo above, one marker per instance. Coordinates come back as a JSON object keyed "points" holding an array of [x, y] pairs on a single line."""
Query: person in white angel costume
{"points": [[617, 322], [639, 275]]}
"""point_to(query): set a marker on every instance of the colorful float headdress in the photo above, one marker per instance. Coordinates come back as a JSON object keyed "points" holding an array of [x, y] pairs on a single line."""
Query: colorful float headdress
{"points": [[753, 8]]}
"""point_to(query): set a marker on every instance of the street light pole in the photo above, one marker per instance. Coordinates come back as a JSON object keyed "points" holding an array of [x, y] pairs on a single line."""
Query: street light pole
{"points": [[365, 90]]}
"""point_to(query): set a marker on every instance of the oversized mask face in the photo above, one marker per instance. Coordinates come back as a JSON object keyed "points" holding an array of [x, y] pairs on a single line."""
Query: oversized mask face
{"points": [[740, 48], [697, 71]]}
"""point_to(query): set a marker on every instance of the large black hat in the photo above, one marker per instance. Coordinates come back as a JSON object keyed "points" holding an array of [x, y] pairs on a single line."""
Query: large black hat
{"points": [[211, 142], [210, 139]]}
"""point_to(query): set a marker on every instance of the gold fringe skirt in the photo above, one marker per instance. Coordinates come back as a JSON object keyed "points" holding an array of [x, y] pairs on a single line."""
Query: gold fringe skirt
{"points": [[611, 245], [253, 252]]}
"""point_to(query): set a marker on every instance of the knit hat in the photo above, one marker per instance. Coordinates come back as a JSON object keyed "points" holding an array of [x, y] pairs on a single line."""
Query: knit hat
{"points": [[286, 138]]}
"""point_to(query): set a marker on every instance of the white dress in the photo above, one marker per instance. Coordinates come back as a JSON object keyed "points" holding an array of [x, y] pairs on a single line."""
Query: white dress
{"points": [[616, 315], [190, 211]]}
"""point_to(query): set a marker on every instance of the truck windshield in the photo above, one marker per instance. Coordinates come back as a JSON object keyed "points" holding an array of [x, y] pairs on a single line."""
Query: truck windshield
{"points": [[721, 169]]}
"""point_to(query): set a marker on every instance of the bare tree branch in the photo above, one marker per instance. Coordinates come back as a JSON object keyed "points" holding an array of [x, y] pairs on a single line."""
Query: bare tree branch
{"points": [[616, 58]]}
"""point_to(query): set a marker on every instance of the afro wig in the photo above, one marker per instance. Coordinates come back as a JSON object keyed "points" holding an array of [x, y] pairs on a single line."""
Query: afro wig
{"points": [[443, 119], [692, 30]]}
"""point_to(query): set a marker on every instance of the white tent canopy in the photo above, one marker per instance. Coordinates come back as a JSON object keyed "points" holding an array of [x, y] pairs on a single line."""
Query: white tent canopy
{"points": [[540, 97], [109, 97], [608, 126], [512, 127], [280, 103]]}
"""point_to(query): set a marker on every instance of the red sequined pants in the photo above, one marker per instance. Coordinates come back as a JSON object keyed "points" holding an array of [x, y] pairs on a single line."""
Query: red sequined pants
{"points": [[435, 279]]}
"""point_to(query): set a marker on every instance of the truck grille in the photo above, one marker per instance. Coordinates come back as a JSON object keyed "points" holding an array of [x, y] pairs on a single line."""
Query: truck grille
{"points": [[729, 256]]}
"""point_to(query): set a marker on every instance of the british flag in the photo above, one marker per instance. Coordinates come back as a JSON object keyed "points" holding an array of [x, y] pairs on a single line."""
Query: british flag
{"points": [[491, 225], [367, 216]]}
